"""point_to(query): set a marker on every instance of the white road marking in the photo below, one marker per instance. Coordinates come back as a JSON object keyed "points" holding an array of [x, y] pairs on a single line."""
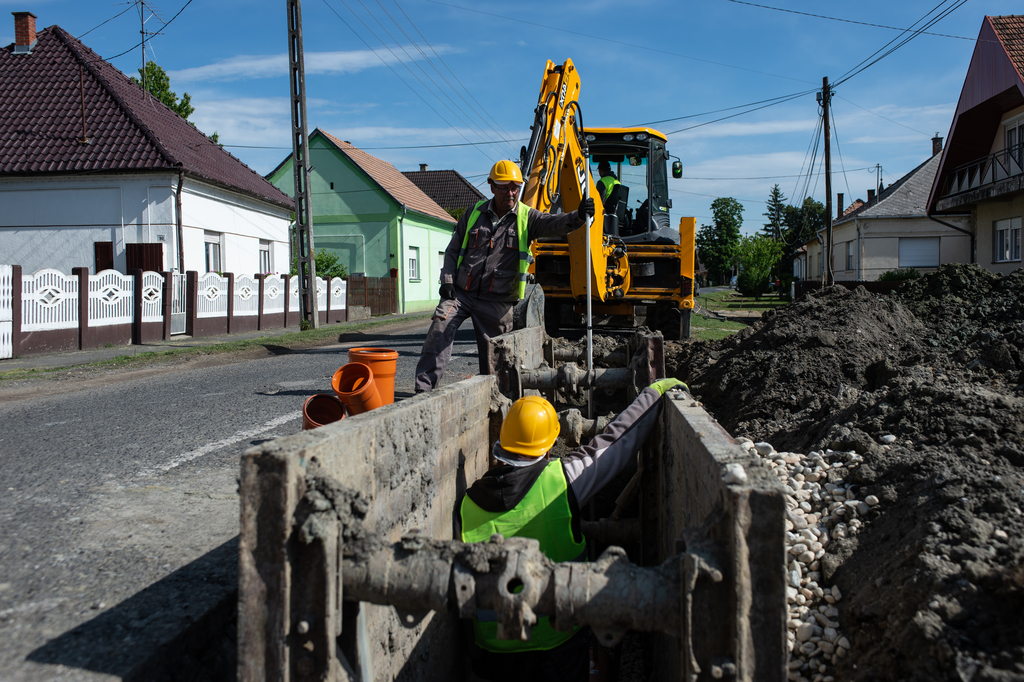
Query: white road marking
{"points": [[230, 440]]}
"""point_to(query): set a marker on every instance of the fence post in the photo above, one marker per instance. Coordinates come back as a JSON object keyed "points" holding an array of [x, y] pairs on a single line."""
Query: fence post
{"points": [[16, 287], [261, 282], [191, 301], [287, 299], [231, 298], [165, 303], [136, 275], [347, 298], [83, 304]]}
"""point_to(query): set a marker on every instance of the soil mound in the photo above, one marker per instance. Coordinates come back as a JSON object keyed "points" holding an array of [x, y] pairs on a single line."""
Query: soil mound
{"points": [[926, 386]]}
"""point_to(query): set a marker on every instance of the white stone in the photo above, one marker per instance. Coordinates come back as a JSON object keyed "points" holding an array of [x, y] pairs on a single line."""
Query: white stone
{"points": [[804, 631], [863, 508], [734, 474], [798, 548], [827, 647], [871, 500], [843, 643], [1001, 534], [764, 449], [806, 557], [831, 634], [888, 438]]}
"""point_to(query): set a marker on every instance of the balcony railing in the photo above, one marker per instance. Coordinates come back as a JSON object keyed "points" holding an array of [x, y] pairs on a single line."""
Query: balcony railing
{"points": [[985, 171]]}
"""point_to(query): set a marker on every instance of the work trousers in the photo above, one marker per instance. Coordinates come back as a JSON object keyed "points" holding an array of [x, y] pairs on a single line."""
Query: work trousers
{"points": [[490, 318]]}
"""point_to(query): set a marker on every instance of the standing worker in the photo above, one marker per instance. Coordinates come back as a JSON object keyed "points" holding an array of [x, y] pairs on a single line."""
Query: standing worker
{"points": [[530, 495], [607, 181], [484, 271]]}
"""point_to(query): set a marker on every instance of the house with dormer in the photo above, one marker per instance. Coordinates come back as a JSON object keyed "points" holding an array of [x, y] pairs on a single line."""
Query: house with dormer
{"points": [[96, 172], [981, 172]]}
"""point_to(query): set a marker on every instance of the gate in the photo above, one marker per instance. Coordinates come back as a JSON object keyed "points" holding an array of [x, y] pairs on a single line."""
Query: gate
{"points": [[6, 312], [177, 303]]}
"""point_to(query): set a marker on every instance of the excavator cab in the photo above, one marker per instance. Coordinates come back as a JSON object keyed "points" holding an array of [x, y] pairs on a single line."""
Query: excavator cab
{"points": [[637, 157]]}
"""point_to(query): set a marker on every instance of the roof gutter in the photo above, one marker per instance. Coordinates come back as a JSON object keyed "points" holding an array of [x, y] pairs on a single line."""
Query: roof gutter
{"points": [[401, 258], [177, 220], [959, 229]]}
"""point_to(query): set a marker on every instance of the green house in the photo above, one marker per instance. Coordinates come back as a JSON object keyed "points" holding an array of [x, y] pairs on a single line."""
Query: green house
{"points": [[374, 218]]}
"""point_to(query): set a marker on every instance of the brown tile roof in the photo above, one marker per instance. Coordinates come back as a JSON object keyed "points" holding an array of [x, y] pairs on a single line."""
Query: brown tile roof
{"points": [[129, 130], [446, 187], [399, 187], [1010, 31]]}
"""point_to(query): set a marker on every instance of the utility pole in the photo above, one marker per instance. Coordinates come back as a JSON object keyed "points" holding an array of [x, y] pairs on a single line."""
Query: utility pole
{"points": [[826, 97], [308, 317], [145, 34]]}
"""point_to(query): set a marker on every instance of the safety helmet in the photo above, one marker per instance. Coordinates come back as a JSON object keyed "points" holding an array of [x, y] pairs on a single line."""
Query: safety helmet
{"points": [[504, 172], [530, 428]]}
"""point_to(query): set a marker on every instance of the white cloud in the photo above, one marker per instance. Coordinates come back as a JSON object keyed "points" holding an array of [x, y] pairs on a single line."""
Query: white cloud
{"points": [[246, 67]]}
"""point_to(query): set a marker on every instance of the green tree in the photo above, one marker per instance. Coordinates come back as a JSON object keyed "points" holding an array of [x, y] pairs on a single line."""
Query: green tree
{"points": [[758, 256], [327, 265], [159, 85], [717, 242], [456, 212], [774, 214], [800, 224]]}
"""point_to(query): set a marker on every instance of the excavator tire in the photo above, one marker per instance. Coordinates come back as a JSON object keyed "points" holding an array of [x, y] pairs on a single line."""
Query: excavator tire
{"points": [[673, 323], [529, 311]]}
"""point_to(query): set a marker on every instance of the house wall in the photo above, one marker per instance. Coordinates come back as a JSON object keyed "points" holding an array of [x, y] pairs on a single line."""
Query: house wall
{"points": [[430, 237], [987, 213], [999, 141], [55, 222], [876, 249]]}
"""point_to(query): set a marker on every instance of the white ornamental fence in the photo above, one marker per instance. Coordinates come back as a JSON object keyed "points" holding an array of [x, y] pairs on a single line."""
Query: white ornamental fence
{"points": [[293, 295], [247, 296], [339, 291], [49, 300], [212, 296], [6, 312], [152, 297], [273, 294], [321, 295], [111, 299]]}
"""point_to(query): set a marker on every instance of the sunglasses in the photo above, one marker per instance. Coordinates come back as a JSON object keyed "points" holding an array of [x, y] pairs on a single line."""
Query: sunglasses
{"points": [[510, 188]]}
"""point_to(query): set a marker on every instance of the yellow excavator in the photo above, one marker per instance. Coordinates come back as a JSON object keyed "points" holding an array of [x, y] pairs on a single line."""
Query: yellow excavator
{"points": [[630, 266]]}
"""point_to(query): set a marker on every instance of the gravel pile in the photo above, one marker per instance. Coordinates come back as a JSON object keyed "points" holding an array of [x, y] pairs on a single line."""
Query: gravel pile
{"points": [[926, 388]]}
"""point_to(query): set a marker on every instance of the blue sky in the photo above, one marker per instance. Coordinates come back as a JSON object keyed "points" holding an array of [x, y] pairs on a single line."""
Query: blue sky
{"points": [[392, 76]]}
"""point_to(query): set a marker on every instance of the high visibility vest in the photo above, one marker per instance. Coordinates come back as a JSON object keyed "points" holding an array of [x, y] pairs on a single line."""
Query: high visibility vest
{"points": [[544, 515], [522, 213], [607, 182]]}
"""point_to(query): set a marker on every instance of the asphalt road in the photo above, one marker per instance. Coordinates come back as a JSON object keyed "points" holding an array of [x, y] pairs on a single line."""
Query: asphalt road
{"points": [[118, 502]]}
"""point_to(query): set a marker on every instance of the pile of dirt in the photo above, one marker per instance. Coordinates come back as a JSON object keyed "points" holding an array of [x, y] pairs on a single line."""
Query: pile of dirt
{"points": [[934, 582]]}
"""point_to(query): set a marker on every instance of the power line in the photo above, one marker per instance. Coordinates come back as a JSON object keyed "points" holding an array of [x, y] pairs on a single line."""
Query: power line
{"points": [[416, 146], [846, 21], [107, 59], [615, 42], [773, 177], [105, 22], [882, 117], [839, 151], [783, 100], [718, 111]]}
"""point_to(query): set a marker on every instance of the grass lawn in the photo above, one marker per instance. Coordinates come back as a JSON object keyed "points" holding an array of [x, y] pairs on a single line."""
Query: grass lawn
{"points": [[743, 309]]}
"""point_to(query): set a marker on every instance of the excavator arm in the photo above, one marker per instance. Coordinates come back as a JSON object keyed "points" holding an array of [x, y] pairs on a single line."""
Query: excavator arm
{"points": [[556, 173]]}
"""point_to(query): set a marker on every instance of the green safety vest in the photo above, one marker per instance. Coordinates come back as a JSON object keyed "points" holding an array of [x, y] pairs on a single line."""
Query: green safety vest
{"points": [[522, 212], [544, 515], [608, 182]]}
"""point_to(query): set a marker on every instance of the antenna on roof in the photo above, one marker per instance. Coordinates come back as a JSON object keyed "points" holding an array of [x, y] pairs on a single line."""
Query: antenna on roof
{"points": [[143, 7]]}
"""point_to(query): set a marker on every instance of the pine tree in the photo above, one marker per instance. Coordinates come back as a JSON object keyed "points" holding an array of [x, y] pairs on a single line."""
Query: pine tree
{"points": [[775, 214]]}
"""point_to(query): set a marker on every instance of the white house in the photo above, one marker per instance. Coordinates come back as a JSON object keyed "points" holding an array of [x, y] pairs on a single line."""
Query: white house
{"points": [[96, 172]]}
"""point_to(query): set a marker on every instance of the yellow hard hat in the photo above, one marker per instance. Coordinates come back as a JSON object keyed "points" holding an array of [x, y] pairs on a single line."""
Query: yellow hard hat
{"points": [[530, 428], [504, 172]]}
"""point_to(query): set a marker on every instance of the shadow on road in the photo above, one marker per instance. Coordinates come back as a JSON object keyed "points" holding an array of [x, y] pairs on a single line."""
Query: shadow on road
{"points": [[181, 627]]}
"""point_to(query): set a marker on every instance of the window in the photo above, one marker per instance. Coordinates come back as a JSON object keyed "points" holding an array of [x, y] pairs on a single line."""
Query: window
{"points": [[265, 264], [212, 243], [1006, 235], [849, 255], [1015, 138], [440, 261], [414, 262], [919, 252]]}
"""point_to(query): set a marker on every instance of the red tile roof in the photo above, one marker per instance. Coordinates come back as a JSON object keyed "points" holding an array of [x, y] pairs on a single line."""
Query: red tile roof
{"points": [[41, 107], [1010, 31], [446, 187], [399, 187]]}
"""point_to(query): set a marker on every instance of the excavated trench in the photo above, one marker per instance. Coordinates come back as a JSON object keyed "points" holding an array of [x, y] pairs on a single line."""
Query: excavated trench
{"points": [[897, 423]]}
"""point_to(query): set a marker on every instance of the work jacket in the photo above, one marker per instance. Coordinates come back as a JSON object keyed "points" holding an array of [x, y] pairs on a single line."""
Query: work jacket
{"points": [[586, 471], [489, 268], [605, 185]]}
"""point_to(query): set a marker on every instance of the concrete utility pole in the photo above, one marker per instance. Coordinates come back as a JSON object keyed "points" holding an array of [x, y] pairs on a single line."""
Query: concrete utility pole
{"points": [[300, 156], [826, 97]]}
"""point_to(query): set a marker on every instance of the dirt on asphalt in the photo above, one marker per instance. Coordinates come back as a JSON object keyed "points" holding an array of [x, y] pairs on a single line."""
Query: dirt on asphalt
{"points": [[934, 582]]}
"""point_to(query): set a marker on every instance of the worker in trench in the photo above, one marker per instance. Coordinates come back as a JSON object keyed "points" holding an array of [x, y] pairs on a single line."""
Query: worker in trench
{"points": [[484, 271], [528, 494]]}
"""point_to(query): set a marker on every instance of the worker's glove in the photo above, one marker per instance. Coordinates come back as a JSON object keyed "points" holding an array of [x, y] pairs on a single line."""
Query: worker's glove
{"points": [[586, 209], [447, 291], [663, 385]]}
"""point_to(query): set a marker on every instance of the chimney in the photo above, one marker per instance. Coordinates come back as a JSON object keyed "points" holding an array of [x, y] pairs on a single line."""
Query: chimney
{"points": [[24, 32], [423, 167], [839, 205], [936, 144], [871, 195]]}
